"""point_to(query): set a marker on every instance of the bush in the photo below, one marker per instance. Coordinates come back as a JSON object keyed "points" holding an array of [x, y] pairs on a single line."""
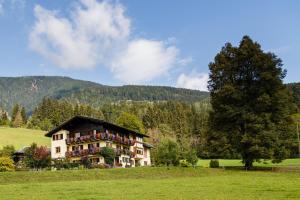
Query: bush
{"points": [[184, 163], [167, 153], [108, 154], [37, 157], [214, 164], [64, 164], [86, 162], [7, 151], [6, 164], [191, 157]]}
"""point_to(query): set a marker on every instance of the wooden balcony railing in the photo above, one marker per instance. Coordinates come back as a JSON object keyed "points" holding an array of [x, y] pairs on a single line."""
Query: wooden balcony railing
{"points": [[97, 150], [100, 136]]}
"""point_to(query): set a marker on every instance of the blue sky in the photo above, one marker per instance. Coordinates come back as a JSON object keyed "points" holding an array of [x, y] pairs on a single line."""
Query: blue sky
{"points": [[140, 42]]}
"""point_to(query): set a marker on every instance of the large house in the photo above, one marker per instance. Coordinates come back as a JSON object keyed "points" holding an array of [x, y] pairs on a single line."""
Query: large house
{"points": [[85, 137]]}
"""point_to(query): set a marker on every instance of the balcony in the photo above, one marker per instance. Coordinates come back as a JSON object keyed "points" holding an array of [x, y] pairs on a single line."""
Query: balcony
{"points": [[125, 152], [97, 151], [83, 152], [100, 136]]}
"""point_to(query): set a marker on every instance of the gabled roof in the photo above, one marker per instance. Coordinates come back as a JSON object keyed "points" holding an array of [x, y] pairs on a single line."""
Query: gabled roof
{"points": [[145, 144], [81, 119]]}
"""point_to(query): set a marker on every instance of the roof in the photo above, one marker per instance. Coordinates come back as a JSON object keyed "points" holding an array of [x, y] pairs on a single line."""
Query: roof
{"points": [[148, 145], [80, 119]]}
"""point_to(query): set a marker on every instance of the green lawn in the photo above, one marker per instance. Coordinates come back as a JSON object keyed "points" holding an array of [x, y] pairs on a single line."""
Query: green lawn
{"points": [[235, 163], [20, 137], [150, 183]]}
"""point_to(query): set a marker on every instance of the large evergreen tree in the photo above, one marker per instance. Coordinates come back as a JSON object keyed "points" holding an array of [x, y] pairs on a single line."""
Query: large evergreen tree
{"points": [[249, 103]]}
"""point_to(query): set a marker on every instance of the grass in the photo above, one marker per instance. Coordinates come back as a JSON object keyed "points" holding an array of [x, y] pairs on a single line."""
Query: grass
{"points": [[20, 137], [238, 163], [150, 183]]}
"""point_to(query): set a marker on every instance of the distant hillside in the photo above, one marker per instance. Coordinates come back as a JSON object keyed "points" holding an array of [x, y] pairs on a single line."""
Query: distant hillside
{"points": [[20, 137], [29, 91]]}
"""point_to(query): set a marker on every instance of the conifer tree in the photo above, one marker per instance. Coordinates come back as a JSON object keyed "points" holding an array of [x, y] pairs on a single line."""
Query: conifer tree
{"points": [[18, 121], [249, 103], [23, 114], [15, 110]]}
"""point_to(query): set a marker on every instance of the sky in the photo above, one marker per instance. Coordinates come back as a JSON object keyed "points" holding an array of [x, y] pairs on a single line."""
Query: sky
{"points": [[155, 42]]}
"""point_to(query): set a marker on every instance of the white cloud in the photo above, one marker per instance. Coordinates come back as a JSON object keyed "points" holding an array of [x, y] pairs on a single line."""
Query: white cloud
{"points": [[144, 60], [11, 4], [82, 41], [1, 7], [194, 81], [99, 34]]}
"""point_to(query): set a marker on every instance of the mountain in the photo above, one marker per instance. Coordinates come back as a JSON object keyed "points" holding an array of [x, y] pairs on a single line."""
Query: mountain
{"points": [[30, 90]]}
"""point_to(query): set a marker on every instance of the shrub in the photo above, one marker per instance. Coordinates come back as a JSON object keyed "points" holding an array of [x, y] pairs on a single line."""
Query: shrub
{"points": [[184, 163], [7, 151], [167, 153], [6, 164], [86, 162], [37, 157], [214, 164], [191, 157], [108, 154]]}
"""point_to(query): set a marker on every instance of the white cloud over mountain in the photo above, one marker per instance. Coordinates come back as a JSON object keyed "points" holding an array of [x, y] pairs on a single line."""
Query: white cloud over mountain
{"points": [[195, 81], [99, 34]]}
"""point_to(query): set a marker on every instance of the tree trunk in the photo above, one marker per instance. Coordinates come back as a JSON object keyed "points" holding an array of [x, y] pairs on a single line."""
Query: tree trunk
{"points": [[248, 164]]}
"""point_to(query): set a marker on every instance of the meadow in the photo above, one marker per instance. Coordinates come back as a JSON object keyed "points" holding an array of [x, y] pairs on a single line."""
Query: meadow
{"points": [[20, 137], [151, 183], [230, 181]]}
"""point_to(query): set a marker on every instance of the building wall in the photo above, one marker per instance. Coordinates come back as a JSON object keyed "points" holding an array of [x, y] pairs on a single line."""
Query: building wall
{"points": [[59, 143], [124, 160], [147, 157]]}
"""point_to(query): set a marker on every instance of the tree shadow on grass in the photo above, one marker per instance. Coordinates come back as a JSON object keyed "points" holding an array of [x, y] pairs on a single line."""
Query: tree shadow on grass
{"points": [[268, 169]]}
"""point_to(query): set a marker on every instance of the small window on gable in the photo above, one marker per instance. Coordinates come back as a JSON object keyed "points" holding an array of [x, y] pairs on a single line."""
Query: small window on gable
{"points": [[57, 149]]}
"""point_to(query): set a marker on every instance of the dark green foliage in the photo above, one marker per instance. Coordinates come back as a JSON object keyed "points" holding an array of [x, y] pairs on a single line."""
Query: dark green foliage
{"points": [[130, 122], [191, 157], [15, 110], [294, 89], [51, 113], [30, 91], [214, 163], [86, 162], [4, 121], [23, 114], [108, 154], [37, 157], [250, 104], [64, 164], [167, 153]]}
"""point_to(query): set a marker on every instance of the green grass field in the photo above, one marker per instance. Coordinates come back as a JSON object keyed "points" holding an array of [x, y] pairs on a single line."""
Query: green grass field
{"points": [[20, 137], [151, 183], [236, 163]]}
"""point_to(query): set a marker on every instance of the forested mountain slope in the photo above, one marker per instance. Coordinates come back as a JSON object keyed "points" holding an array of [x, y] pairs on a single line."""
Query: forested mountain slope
{"points": [[29, 91]]}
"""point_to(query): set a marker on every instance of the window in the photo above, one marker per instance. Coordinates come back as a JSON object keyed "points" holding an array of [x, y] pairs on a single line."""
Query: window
{"points": [[73, 148], [90, 146], [98, 145], [57, 137], [80, 147], [108, 144], [145, 153], [139, 151], [57, 149]]}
